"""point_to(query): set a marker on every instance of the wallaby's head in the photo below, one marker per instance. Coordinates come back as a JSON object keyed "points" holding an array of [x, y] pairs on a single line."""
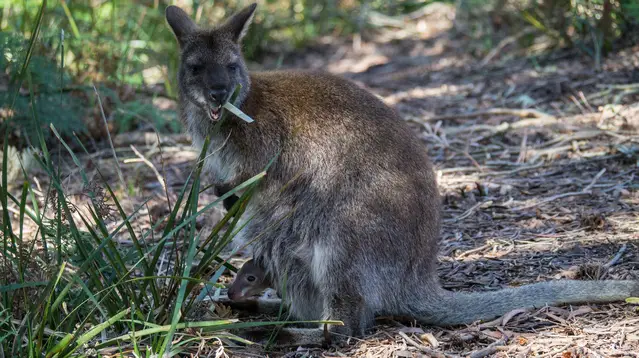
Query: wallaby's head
{"points": [[250, 280], [211, 63]]}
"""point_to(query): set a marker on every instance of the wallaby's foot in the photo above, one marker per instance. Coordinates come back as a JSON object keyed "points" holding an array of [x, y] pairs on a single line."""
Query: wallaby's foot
{"points": [[285, 337], [349, 306]]}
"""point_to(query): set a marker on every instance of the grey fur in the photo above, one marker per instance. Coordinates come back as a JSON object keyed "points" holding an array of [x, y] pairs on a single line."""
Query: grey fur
{"points": [[352, 192]]}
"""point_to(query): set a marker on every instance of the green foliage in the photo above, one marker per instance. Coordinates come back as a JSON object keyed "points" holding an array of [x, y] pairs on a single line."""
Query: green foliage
{"points": [[51, 106], [594, 26], [599, 21], [128, 115]]}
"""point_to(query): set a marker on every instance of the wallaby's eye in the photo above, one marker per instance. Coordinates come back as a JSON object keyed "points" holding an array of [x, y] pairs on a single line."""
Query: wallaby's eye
{"points": [[195, 69], [233, 67], [250, 278]]}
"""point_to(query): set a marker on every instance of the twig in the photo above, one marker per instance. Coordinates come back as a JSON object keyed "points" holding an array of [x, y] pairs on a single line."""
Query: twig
{"points": [[536, 154], [585, 101], [492, 348], [423, 348], [553, 198], [624, 87], [472, 251], [522, 149], [503, 127], [552, 353], [581, 135], [513, 171], [576, 102], [468, 212], [150, 165], [617, 257], [594, 180], [522, 113]]}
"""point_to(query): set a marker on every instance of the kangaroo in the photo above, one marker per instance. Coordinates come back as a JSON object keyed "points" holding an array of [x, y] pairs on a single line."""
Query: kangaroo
{"points": [[348, 215]]}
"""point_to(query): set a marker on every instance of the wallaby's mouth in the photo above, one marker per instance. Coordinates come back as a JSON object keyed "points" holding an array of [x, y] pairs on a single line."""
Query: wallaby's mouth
{"points": [[214, 112]]}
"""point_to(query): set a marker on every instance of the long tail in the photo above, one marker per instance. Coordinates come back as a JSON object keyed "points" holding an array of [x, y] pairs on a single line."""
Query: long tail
{"points": [[454, 308]]}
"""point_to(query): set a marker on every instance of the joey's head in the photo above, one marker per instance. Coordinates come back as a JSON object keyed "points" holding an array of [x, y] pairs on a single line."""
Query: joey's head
{"points": [[211, 62], [250, 280]]}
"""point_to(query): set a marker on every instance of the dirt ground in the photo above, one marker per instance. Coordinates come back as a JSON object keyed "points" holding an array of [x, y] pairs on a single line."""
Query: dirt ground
{"points": [[536, 160]]}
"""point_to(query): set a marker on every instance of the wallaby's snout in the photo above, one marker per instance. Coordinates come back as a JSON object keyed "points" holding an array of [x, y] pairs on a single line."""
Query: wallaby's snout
{"points": [[217, 87], [218, 82], [218, 95]]}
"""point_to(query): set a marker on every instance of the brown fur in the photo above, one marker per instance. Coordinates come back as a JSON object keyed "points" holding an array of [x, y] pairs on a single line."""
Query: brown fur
{"points": [[349, 210]]}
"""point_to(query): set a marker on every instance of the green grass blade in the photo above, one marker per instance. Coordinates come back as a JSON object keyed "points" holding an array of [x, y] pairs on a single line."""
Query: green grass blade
{"points": [[47, 306], [236, 111], [166, 328], [7, 231], [67, 12], [27, 59], [19, 286], [63, 343], [180, 299], [96, 330]]}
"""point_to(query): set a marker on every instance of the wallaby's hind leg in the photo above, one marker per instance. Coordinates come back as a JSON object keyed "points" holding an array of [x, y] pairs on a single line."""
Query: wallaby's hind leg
{"points": [[348, 306]]}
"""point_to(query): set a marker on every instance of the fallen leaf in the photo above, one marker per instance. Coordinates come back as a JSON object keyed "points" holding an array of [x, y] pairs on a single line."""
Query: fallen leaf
{"points": [[508, 316], [428, 337], [493, 334], [580, 311]]}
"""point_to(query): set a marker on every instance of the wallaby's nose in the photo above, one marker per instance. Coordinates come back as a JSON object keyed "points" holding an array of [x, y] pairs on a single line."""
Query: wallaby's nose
{"points": [[218, 95]]}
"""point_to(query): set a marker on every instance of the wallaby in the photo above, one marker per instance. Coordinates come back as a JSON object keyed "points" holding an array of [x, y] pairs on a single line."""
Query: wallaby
{"points": [[249, 281], [349, 212]]}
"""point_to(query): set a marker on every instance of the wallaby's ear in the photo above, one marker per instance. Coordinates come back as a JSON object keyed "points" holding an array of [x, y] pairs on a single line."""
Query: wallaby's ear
{"points": [[180, 22], [239, 23]]}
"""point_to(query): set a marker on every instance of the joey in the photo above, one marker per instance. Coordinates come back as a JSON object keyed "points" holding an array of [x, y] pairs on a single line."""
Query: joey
{"points": [[250, 280]]}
